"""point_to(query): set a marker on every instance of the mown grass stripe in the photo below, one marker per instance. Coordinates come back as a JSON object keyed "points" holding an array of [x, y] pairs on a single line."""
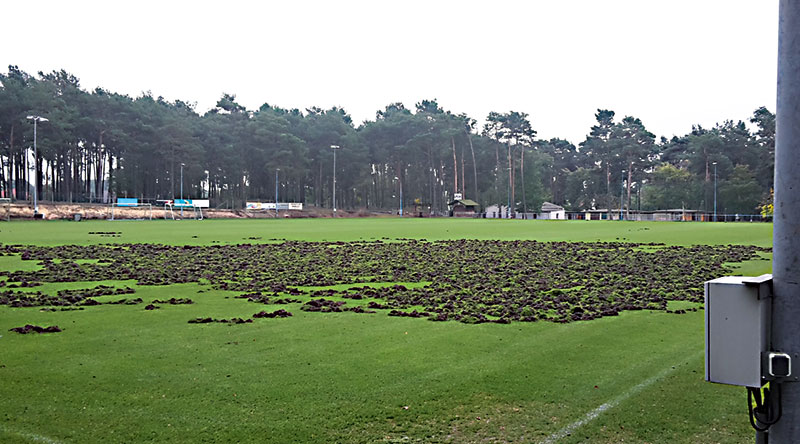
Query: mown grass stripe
{"points": [[592, 415], [29, 436]]}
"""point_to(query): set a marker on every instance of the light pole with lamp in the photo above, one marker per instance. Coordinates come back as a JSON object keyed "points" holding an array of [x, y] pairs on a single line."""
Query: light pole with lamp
{"points": [[401, 194], [182, 165], [36, 119], [276, 192], [334, 148], [715, 191]]}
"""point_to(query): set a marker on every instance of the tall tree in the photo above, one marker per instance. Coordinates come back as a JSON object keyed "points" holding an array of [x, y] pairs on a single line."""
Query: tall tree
{"points": [[671, 187], [763, 143], [469, 127], [634, 145], [740, 193], [515, 131], [565, 158], [99, 144], [598, 147]]}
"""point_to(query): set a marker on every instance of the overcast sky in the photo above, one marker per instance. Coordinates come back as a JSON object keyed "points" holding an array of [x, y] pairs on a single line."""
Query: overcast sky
{"points": [[672, 63]]}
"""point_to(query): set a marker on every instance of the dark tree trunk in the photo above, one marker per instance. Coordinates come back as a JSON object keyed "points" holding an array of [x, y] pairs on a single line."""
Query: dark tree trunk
{"points": [[455, 165], [608, 188], [628, 186], [463, 182]]}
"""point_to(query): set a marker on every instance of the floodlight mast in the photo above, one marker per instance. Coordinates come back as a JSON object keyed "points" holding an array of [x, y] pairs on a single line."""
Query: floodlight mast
{"points": [[334, 148], [785, 241], [715, 191], [182, 164], [400, 181], [35, 165]]}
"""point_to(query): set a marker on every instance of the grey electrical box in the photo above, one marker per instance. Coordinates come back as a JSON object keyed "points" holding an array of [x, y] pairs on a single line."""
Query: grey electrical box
{"points": [[737, 310]]}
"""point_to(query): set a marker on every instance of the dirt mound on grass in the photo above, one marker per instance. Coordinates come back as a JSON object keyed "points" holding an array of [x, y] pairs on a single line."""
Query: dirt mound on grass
{"points": [[29, 328]]}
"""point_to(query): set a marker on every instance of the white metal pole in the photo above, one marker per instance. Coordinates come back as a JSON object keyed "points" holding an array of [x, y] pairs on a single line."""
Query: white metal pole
{"points": [[36, 119], [35, 172], [334, 182], [715, 191], [334, 148], [401, 198], [181, 190]]}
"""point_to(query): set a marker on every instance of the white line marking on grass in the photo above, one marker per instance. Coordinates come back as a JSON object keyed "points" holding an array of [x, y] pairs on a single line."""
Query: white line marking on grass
{"points": [[29, 436], [589, 417]]}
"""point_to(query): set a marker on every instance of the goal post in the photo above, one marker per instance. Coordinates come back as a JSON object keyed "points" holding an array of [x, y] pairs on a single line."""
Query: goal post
{"points": [[185, 205], [133, 204]]}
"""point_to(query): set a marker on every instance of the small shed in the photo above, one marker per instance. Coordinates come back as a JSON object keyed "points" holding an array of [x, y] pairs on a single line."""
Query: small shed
{"points": [[463, 208], [496, 212], [552, 211]]}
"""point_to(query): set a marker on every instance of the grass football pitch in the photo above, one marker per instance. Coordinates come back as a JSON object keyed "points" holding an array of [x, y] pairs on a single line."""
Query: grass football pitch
{"points": [[119, 373]]}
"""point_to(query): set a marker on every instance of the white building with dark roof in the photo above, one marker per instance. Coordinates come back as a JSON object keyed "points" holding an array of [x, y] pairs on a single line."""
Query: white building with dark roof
{"points": [[552, 211]]}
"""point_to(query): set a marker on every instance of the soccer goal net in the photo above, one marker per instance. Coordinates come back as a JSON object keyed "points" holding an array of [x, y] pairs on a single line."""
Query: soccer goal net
{"points": [[131, 209], [184, 208]]}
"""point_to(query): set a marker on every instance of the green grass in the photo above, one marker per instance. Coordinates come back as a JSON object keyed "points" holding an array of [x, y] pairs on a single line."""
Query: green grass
{"points": [[240, 231], [123, 374]]}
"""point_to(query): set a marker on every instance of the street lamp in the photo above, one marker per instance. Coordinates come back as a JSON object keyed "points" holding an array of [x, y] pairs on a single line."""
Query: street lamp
{"points": [[276, 192], [401, 194], [182, 165], [715, 191], [334, 148], [35, 165]]}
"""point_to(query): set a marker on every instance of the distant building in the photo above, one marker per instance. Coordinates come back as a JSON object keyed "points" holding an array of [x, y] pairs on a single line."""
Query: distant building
{"points": [[463, 208], [677, 214], [598, 214], [496, 212], [552, 211]]}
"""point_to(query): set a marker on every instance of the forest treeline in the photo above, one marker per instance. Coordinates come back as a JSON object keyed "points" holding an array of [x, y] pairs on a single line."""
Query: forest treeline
{"points": [[99, 144]]}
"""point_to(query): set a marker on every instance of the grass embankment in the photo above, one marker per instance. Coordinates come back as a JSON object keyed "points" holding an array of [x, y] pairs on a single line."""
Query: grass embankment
{"points": [[123, 374]]}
